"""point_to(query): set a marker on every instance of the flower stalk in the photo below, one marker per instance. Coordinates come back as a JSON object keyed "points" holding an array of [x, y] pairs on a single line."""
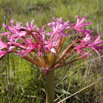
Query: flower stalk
{"points": [[50, 87]]}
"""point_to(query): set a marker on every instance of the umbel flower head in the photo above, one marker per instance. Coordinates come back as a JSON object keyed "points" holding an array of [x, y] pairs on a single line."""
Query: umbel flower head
{"points": [[43, 48]]}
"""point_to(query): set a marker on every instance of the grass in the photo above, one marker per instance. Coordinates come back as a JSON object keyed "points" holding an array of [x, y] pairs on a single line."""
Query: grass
{"points": [[22, 82]]}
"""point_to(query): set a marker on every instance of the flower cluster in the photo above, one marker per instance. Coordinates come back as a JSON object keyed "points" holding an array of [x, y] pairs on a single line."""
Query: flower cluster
{"points": [[26, 39], [30, 40]]}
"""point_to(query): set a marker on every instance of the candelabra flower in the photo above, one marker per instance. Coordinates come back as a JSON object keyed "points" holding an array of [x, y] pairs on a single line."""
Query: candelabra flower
{"points": [[78, 26], [44, 48]]}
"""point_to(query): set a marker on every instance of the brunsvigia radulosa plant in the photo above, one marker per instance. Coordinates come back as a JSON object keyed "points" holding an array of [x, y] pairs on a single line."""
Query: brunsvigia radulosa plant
{"points": [[44, 49]]}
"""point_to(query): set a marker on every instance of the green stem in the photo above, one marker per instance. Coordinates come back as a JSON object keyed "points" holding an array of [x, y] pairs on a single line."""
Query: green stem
{"points": [[50, 88]]}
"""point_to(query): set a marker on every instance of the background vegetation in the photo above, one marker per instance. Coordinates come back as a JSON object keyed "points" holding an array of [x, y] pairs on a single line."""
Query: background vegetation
{"points": [[23, 82]]}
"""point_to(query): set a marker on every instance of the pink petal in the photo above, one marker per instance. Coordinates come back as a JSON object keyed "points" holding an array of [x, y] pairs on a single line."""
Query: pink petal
{"points": [[82, 20], [3, 44], [6, 33], [8, 27], [11, 22], [78, 19], [98, 38], [2, 53], [28, 26], [85, 24], [53, 50]]}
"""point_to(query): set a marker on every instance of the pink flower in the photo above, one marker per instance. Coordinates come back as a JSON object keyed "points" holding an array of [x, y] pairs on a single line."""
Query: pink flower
{"points": [[80, 51], [49, 45], [58, 28], [80, 24], [41, 31], [96, 44], [13, 27], [28, 48], [18, 29], [30, 27], [83, 45], [87, 42]]}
